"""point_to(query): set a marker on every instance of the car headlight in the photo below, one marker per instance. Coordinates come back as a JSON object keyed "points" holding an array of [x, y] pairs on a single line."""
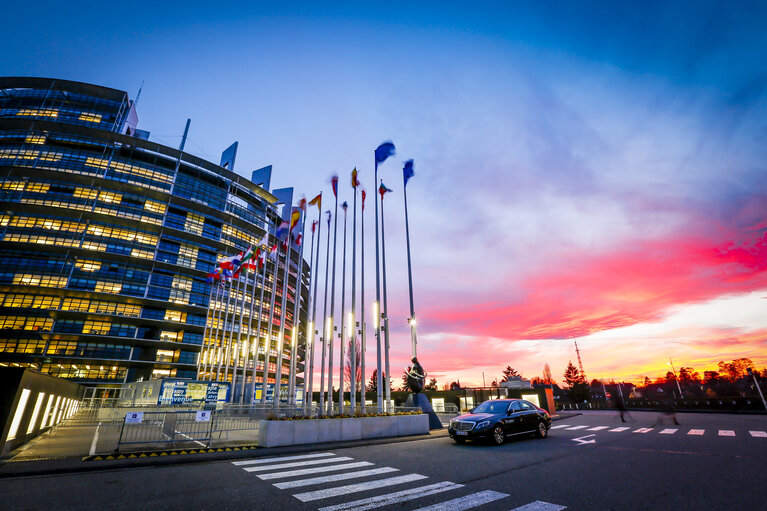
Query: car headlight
{"points": [[483, 424]]}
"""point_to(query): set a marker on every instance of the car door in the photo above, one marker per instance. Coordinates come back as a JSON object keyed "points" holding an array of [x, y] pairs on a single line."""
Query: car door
{"points": [[514, 423], [529, 420]]}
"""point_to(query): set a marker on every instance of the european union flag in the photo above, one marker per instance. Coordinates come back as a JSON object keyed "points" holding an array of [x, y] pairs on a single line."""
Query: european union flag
{"points": [[407, 171], [384, 151]]}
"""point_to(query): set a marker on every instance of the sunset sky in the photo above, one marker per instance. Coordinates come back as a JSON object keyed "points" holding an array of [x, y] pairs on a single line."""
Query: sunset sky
{"points": [[584, 170]]}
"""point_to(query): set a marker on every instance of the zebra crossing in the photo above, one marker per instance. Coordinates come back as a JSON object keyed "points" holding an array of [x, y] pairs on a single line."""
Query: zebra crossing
{"points": [[333, 476], [662, 431]]}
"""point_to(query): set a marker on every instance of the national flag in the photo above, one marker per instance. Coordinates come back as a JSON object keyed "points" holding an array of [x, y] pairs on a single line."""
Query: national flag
{"points": [[273, 251], [297, 239], [317, 201], [282, 230], [229, 262], [407, 171], [334, 183], [345, 205], [329, 215], [364, 194], [382, 189], [264, 241], [314, 226], [295, 216], [302, 204], [285, 245], [355, 181], [247, 255], [383, 151]]}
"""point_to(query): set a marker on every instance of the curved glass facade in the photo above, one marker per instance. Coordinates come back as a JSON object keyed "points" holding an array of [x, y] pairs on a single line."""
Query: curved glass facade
{"points": [[107, 239]]}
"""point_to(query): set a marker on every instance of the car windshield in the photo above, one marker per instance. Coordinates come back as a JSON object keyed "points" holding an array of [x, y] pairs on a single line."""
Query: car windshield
{"points": [[492, 407]]}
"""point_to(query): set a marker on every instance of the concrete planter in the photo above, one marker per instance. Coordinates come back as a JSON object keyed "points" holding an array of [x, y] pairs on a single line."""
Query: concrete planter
{"points": [[312, 431]]}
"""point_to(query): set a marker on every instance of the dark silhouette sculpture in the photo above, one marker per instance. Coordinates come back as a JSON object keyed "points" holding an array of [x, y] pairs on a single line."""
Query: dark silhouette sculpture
{"points": [[416, 377]]}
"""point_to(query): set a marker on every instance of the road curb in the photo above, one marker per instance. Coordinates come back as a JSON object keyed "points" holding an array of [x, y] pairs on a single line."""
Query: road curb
{"points": [[11, 469]]}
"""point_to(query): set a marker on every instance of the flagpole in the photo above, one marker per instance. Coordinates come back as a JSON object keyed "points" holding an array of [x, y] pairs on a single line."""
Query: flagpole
{"points": [[352, 322], [296, 323], [309, 388], [341, 362], [249, 338], [323, 337], [257, 346], [332, 305], [377, 325], [409, 270], [270, 325], [230, 346], [239, 349], [362, 301], [221, 348], [281, 335], [216, 346], [208, 329], [385, 310]]}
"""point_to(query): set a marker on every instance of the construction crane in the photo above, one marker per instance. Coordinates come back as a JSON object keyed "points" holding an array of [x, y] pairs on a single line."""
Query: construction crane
{"points": [[580, 364]]}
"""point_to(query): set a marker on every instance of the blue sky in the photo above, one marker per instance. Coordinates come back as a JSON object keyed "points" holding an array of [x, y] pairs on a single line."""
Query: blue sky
{"points": [[551, 141]]}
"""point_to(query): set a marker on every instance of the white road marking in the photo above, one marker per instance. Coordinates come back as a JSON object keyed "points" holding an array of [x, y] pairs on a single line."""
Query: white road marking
{"points": [[313, 470], [726, 432], [467, 502], [95, 439], [539, 505], [559, 426], [598, 428], [335, 477], [576, 427], [353, 488], [393, 498], [616, 430], [758, 434], [669, 431], [582, 440], [283, 458], [643, 430], [296, 464], [696, 432]]}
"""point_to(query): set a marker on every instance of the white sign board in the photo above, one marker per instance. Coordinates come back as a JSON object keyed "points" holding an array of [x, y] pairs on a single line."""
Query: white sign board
{"points": [[134, 417], [203, 416]]}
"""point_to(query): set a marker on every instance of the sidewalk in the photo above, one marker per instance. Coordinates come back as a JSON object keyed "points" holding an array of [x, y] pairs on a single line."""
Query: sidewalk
{"points": [[50, 459]]}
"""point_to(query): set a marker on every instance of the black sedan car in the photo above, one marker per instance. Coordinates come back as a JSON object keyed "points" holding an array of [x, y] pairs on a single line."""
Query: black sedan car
{"points": [[500, 418]]}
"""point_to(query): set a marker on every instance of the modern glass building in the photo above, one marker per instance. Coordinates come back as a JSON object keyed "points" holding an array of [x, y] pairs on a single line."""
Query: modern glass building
{"points": [[107, 239]]}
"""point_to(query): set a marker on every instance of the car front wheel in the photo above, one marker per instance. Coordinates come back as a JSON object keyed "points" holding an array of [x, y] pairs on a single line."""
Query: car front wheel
{"points": [[498, 434], [542, 430]]}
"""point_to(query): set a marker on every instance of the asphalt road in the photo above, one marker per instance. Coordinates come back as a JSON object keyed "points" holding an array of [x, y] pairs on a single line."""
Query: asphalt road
{"points": [[589, 462]]}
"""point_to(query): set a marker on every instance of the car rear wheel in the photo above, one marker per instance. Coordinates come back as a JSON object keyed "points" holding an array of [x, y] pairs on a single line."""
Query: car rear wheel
{"points": [[498, 434], [542, 430]]}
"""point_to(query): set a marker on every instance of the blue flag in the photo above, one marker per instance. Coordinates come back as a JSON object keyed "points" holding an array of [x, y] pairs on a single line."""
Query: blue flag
{"points": [[384, 151], [407, 171]]}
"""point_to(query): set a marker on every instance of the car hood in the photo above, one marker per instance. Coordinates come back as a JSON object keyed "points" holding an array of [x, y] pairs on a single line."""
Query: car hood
{"points": [[474, 417]]}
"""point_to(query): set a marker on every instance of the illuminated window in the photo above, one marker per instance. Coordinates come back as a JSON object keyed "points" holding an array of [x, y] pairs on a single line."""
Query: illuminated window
{"points": [[97, 327], [90, 117], [142, 254], [154, 207], [35, 139], [85, 193], [165, 355], [37, 112], [36, 412], [110, 197], [194, 223], [108, 287], [89, 266], [171, 315], [170, 336], [39, 280]]}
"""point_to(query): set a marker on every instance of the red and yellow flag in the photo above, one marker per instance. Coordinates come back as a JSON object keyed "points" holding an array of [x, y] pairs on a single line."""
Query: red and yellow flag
{"points": [[317, 201]]}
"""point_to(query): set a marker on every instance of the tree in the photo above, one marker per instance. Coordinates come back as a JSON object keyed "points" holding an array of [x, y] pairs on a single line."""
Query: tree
{"points": [[688, 375], [736, 369], [572, 375], [547, 379], [710, 377], [432, 385], [494, 384], [509, 372], [404, 378], [647, 381], [372, 385], [456, 385], [348, 366], [445, 386], [537, 380]]}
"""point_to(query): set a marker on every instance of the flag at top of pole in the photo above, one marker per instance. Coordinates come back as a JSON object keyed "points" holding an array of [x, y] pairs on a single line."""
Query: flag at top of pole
{"points": [[317, 201], [302, 204], [334, 182], [408, 171], [364, 194], [383, 151], [355, 181], [382, 189], [345, 205], [295, 216]]}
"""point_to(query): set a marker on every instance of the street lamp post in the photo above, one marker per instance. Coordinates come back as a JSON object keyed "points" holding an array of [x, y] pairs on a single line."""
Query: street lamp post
{"points": [[679, 388]]}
